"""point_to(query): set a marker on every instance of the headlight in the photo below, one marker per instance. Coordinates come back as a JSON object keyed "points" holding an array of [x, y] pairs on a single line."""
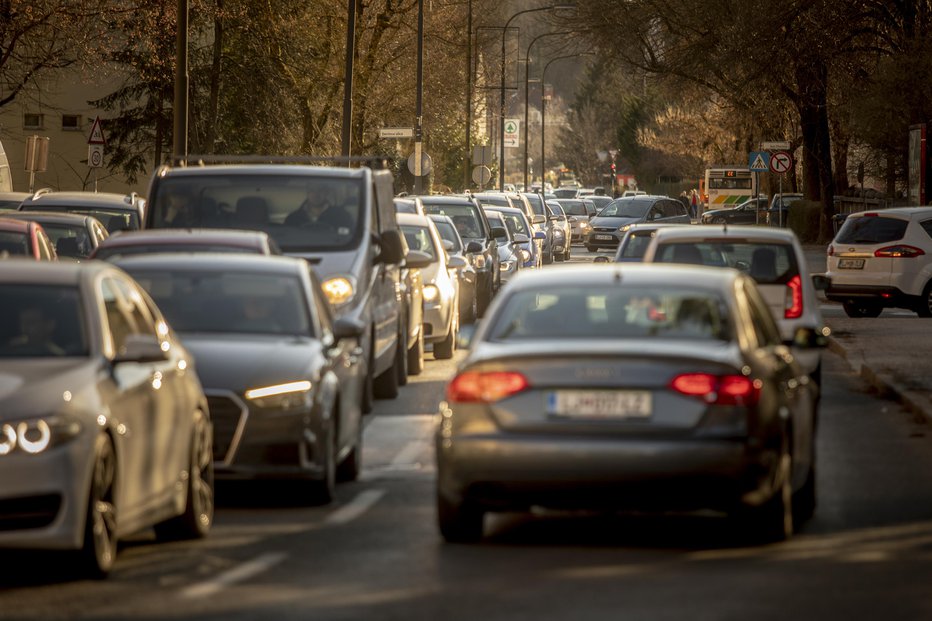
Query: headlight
{"points": [[507, 265], [624, 229], [281, 396], [36, 435], [431, 293], [585, 224], [479, 261], [525, 256], [558, 232], [339, 290]]}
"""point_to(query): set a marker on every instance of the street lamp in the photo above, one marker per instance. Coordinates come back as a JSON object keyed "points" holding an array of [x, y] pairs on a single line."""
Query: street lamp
{"points": [[543, 101], [527, 63], [501, 133]]}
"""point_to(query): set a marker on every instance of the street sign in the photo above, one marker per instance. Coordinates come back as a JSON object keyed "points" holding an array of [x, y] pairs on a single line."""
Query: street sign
{"points": [[481, 154], [37, 154], [481, 175], [781, 162], [759, 161], [95, 155], [775, 145], [425, 164], [511, 132], [396, 132], [97, 133]]}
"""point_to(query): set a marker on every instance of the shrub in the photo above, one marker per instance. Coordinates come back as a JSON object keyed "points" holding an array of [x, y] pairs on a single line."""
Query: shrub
{"points": [[804, 218]]}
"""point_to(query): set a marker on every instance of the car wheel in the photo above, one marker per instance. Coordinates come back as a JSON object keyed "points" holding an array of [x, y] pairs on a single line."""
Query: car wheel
{"points": [[198, 515], [471, 312], [443, 350], [548, 258], [804, 501], [862, 309], [924, 309], [386, 385], [401, 362], [416, 355], [591, 248], [774, 519], [323, 490], [366, 402], [351, 466], [718, 220], [459, 522], [484, 300], [100, 529]]}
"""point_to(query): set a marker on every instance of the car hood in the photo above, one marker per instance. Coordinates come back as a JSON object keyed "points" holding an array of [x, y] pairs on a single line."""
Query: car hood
{"points": [[330, 264], [37, 386], [612, 221], [240, 362]]}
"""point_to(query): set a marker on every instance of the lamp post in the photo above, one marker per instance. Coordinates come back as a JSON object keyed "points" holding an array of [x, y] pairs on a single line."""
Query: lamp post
{"points": [[527, 63], [543, 100], [468, 153], [180, 103], [418, 112]]}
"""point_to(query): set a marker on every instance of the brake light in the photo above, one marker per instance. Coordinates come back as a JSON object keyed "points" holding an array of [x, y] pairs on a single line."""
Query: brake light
{"points": [[718, 389], [485, 387], [900, 251], [793, 307], [831, 250]]}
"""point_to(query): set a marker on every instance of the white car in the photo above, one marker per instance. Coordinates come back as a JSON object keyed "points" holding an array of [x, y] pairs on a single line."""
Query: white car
{"points": [[772, 257], [882, 259]]}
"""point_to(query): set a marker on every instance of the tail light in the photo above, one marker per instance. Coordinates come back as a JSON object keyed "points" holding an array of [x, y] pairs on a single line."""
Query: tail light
{"points": [[485, 387], [831, 250], [718, 389], [900, 251], [793, 307]]}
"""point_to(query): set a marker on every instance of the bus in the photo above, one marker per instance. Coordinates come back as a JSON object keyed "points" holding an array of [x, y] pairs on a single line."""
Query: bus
{"points": [[728, 186]]}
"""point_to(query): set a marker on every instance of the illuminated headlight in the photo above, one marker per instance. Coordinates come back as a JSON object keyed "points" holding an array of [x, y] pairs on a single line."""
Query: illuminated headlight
{"points": [[558, 232], [507, 266], [339, 290], [479, 260], [525, 256], [624, 229], [36, 435], [585, 225], [431, 293], [282, 396]]}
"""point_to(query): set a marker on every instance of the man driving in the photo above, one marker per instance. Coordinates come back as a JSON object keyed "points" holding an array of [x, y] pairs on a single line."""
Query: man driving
{"points": [[36, 330]]}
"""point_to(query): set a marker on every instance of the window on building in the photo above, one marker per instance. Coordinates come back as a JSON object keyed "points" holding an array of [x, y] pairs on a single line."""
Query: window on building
{"points": [[71, 122], [32, 121]]}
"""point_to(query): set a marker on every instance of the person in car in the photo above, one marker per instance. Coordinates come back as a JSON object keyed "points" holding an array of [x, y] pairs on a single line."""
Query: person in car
{"points": [[36, 329], [179, 210]]}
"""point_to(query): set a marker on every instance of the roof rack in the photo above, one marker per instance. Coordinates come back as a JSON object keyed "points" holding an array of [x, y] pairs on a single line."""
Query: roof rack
{"points": [[373, 161], [42, 192]]}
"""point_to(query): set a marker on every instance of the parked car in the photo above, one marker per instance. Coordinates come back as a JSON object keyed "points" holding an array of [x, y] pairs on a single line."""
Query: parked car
{"points": [[105, 428], [25, 239], [578, 214], [117, 212], [745, 213], [151, 241], [279, 372], [774, 258], [455, 247], [510, 254], [518, 224], [481, 249], [648, 388], [607, 224], [882, 259], [441, 289], [562, 231], [779, 210], [340, 220], [74, 236]]}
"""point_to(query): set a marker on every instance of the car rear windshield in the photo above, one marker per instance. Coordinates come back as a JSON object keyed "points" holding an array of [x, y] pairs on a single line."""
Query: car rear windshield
{"points": [[301, 213], [766, 263], [418, 238], [574, 208], [448, 233], [871, 230], [229, 302], [625, 208], [635, 244], [566, 192], [13, 244], [113, 219], [41, 321], [617, 312], [70, 241], [516, 224], [496, 201], [465, 218]]}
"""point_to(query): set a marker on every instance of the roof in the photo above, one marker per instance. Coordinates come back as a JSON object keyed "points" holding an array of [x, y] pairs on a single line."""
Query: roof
{"points": [[82, 199], [211, 262], [652, 274], [447, 200], [899, 212], [52, 217], [439, 217], [412, 219], [503, 209], [758, 233], [52, 272], [15, 226], [221, 170], [232, 237]]}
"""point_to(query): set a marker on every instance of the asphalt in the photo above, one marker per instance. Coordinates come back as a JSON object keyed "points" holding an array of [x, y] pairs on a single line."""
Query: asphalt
{"points": [[890, 352]]}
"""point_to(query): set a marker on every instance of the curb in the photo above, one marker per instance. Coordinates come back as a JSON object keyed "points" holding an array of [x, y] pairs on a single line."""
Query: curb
{"points": [[916, 402]]}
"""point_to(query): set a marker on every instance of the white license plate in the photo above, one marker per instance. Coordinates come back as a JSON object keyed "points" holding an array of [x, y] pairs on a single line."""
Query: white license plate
{"points": [[851, 264], [604, 237], [612, 404]]}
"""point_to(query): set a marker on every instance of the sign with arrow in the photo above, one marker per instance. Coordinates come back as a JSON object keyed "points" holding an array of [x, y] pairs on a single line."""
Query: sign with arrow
{"points": [[781, 162], [759, 161], [511, 133]]}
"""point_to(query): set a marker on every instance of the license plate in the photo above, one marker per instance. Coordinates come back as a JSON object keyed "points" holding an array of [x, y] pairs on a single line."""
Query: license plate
{"points": [[851, 264], [604, 237], [603, 404]]}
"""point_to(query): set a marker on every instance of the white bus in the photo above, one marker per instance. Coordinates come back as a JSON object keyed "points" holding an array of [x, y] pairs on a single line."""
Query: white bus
{"points": [[728, 186]]}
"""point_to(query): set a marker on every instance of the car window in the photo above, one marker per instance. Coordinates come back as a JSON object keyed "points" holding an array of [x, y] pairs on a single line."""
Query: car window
{"points": [[762, 320], [448, 233], [69, 241], [574, 208], [140, 317], [927, 227], [13, 244], [38, 321], [635, 244], [766, 263], [871, 230], [112, 219], [465, 219], [118, 315], [625, 209]]}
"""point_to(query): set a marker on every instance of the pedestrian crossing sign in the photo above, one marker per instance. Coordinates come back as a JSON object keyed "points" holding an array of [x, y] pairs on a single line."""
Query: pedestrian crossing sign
{"points": [[759, 161]]}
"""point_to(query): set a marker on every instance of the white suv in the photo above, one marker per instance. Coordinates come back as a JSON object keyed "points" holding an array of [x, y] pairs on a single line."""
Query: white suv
{"points": [[772, 257], [882, 259]]}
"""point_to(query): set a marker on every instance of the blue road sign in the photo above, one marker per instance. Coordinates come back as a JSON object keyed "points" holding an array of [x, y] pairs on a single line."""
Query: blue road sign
{"points": [[759, 161]]}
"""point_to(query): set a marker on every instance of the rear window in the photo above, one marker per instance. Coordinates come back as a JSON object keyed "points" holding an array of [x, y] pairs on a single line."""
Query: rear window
{"points": [[574, 208], [113, 219], [465, 218], [767, 264], [634, 245], [871, 230], [13, 244], [106, 252]]}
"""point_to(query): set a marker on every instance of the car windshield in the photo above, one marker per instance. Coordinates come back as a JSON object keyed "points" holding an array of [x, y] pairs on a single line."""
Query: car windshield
{"points": [[300, 212], [766, 263], [106, 252], [496, 221], [448, 233], [574, 208], [13, 244], [465, 219], [617, 312], [625, 209], [418, 238], [69, 241], [871, 230], [113, 219], [566, 192], [515, 224], [228, 302], [41, 321]]}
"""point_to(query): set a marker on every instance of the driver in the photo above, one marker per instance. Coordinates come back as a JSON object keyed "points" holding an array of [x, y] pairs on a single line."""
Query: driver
{"points": [[308, 211], [37, 329]]}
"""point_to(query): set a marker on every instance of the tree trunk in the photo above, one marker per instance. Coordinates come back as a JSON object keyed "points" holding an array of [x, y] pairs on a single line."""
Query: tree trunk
{"points": [[840, 157], [812, 103]]}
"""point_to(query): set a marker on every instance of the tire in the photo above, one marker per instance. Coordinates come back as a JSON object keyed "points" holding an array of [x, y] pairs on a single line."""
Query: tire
{"points": [[443, 350], [198, 514], [401, 361], [804, 501], [416, 355], [459, 523], [484, 300], [323, 490], [351, 466], [366, 401], [548, 258], [100, 538], [718, 220], [385, 386], [774, 520], [924, 308], [471, 313], [591, 248], [862, 309]]}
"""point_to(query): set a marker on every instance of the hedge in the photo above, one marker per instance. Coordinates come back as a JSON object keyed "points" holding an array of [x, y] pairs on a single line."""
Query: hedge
{"points": [[804, 218]]}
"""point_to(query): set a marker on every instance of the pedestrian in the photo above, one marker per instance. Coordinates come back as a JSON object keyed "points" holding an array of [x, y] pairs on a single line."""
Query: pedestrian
{"points": [[684, 198], [694, 203]]}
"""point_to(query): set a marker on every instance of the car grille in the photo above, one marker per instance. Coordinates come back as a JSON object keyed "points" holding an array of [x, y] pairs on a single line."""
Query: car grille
{"points": [[29, 511], [227, 415], [603, 229]]}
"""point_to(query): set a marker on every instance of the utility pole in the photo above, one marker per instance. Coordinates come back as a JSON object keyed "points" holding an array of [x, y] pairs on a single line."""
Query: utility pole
{"points": [[348, 77], [180, 103], [418, 107]]}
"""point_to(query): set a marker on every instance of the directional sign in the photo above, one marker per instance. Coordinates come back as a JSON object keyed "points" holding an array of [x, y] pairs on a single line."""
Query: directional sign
{"points": [[781, 162], [759, 161], [775, 145], [396, 132], [95, 155], [511, 132], [97, 133]]}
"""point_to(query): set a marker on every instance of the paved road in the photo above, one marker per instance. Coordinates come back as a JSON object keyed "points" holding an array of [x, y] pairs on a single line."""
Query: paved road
{"points": [[375, 553]]}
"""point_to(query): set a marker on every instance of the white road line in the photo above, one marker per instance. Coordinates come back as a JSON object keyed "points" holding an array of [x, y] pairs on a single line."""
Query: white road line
{"points": [[356, 507], [232, 576], [408, 455]]}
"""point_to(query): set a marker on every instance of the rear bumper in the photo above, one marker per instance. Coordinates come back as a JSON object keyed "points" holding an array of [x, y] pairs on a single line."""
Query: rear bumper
{"points": [[884, 295]]}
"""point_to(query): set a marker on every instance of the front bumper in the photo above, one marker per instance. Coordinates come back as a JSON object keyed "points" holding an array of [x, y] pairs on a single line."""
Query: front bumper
{"points": [[592, 240]]}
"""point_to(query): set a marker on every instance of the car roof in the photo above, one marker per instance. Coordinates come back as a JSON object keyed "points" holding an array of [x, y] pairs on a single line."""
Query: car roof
{"points": [[717, 231], [82, 199], [504, 209], [183, 236], [447, 200], [17, 226], [632, 273], [413, 219], [897, 212], [53, 272], [214, 262], [221, 170], [57, 217], [440, 217]]}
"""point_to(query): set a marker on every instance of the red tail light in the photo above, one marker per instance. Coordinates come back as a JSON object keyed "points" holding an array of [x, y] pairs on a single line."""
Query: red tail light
{"points": [[900, 251], [718, 389], [831, 250], [485, 387], [793, 307]]}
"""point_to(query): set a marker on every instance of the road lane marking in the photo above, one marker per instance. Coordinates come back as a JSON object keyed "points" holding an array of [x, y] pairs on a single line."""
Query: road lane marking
{"points": [[236, 574], [408, 455], [356, 507]]}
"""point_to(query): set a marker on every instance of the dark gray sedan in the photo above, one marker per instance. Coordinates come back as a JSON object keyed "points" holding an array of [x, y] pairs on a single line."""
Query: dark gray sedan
{"points": [[628, 387], [607, 226], [75, 235], [281, 375]]}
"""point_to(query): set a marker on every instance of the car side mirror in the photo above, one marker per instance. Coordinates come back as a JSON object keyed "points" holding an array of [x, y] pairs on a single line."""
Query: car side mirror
{"points": [[391, 247], [540, 235], [821, 282], [601, 259], [416, 259], [810, 338], [141, 348], [456, 262], [465, 335], [572, 218], [521, 238], [538, 219], [473, 247], [348, 328], [499, 233]]}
